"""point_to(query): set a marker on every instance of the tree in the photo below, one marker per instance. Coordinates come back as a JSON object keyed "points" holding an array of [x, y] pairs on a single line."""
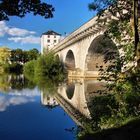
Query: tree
{"points": [[21, 7], [4, 55], [33, 54], [136, 19], [125, 26], [20, 56], [117, 7], [16, 56]]}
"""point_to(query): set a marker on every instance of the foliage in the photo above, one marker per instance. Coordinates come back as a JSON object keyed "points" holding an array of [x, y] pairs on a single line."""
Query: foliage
{"points": [[44, 69], [123, 10], [21, 7], [113, 110], [32, 54], [20, 56], [128, 131], [12, 61], [49, 66], [29, 67], [113, 6], [120, 102], [120, 31], [4, 55]]}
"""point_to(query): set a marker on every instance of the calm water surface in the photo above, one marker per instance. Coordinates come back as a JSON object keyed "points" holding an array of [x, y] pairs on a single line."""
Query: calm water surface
{"points": [[70, 111], [24, 117]]}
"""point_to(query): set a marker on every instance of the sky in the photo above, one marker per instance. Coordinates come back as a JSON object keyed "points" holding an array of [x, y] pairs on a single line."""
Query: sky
{"points": [[25, 32]]}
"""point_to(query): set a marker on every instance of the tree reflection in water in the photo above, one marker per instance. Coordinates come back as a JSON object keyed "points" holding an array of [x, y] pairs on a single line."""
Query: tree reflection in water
{"points": [[112, 116], [17, 82]]}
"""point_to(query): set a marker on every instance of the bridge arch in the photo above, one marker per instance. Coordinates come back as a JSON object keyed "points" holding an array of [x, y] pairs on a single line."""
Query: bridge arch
{"points": [[70, 60], [97, 52]]}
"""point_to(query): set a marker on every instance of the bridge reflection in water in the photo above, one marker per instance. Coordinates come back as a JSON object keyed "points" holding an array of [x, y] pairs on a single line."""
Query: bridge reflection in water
{"points": [[75, 98]]}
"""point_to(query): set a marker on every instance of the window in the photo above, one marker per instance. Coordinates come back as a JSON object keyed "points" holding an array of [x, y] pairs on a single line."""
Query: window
{"points": [[48, 36], [54, 41], [48, 40], [55, 36]]}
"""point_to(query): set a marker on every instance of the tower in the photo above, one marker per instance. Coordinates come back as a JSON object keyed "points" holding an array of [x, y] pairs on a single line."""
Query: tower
{"points": [[48, 40]]}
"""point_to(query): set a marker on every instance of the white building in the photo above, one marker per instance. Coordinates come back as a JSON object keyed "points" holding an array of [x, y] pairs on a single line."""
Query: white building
{"points": [[49, 40]]}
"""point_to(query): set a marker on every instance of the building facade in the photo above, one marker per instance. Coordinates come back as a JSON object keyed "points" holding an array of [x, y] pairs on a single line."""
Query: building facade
{"points": [[48, 40]]}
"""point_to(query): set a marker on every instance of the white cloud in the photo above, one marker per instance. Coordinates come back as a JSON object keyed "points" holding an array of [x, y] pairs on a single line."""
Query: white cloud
{"points": [[19, 32], [13, 31], [3, 28], [26, 40]]}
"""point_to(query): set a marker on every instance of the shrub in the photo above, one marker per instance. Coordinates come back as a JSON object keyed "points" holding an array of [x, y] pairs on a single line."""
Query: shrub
{"points": [[49, 66], [45, 66], [29, 67]]}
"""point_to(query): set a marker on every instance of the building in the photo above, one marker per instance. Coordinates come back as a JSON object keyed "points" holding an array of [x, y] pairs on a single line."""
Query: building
{"points": [[48, 40]]}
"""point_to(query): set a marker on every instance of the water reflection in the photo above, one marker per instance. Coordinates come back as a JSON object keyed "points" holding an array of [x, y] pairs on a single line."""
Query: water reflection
{"points": [[91, 110], [17, 89], [17, 82], [75, 98], [16, 100], [48, 100], [21, 115], [94, 111]]}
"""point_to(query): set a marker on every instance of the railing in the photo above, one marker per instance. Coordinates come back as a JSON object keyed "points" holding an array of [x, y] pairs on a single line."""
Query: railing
{"points": [[91, 27]]}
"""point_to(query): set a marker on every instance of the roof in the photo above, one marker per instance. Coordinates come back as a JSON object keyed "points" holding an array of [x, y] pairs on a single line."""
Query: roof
{"points": [[50, 32]]}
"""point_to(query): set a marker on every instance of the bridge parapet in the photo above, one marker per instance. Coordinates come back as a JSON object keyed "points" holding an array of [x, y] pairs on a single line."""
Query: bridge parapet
{"points": [[91, 27]]}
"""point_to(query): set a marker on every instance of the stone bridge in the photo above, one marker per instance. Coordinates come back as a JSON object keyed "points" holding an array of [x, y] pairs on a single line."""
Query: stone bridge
{"points": [[83, 51]]}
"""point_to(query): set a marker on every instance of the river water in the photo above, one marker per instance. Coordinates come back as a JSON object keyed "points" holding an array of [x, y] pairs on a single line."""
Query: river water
{"points": [[31, 112]]}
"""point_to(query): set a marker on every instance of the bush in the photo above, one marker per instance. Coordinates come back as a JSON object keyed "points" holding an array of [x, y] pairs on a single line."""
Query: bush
{"points": [[49, 66], [45, 66], [29, 67]]}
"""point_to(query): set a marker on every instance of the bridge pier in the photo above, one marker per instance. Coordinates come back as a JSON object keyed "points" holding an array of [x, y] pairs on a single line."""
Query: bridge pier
{"points": [[82, 74]]}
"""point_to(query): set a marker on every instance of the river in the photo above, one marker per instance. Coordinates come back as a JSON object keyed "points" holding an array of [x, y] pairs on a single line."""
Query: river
{"points": [[33, 112]]}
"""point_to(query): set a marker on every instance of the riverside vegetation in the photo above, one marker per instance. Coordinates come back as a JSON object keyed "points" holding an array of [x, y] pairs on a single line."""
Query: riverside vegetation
{"points": [[12, 61], [116, 110], [45, 71]]}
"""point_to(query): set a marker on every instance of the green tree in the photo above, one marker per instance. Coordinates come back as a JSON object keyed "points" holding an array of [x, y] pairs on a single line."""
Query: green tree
{"points": [[33, 54], [50, 66], [16, 56], [21, 7], [117, 7], [4, 55]]}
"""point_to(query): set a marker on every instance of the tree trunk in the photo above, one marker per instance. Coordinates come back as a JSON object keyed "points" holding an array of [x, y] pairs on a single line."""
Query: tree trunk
{"points": [[136, 10]]}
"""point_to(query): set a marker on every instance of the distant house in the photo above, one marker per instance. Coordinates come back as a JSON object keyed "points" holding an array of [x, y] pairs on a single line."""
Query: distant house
{"points": [[48, 40]]}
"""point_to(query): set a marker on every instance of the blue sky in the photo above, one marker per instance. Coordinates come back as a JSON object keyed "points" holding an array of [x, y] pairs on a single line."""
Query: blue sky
{"points": [[25, 33]]}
